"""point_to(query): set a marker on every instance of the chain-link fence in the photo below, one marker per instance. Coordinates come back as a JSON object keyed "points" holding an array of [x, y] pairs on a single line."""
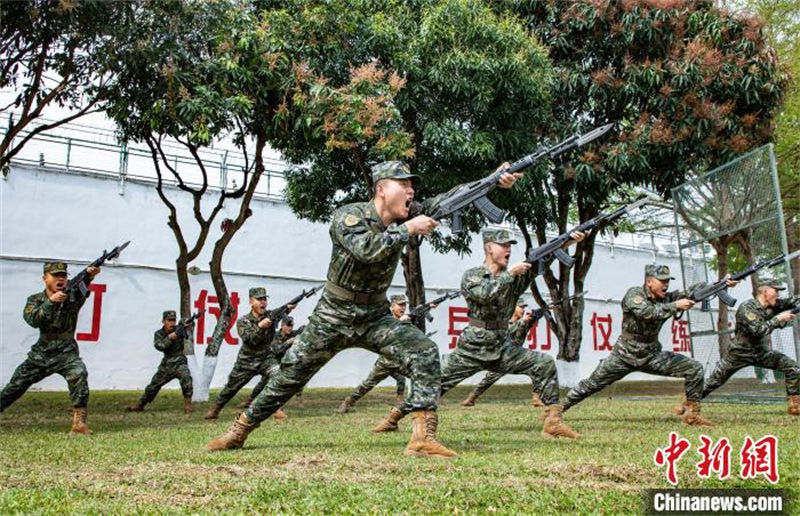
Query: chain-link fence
{"points": [[727, 220]]}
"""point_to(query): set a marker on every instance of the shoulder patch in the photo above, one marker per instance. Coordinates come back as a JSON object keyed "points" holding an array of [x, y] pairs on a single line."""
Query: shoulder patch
{"points": [[351, 220], [751, 316], [28, 309], [638, 300]]}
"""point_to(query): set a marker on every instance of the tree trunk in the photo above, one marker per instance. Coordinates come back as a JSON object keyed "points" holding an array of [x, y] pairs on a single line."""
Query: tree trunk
{"points": [[412, 272], [229, 229], [571, 350], [720, 245]]}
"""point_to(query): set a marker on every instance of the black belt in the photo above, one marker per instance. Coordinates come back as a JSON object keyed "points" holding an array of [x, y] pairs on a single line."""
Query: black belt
{"points": [[488, 325], [639, 338], [360, 298], [49, 337]]}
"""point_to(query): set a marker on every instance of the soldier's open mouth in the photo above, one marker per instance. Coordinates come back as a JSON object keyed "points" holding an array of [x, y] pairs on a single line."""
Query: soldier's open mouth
{"points": [[408, 203], [508, 255]]}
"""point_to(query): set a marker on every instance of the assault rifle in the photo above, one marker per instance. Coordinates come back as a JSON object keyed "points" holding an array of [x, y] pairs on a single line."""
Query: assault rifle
{"points": [[720, 288], [281, 311], [796, 308], [538, 313], [425, 309], [77, 284], [542, 254], [182, 328], [454, 202]]}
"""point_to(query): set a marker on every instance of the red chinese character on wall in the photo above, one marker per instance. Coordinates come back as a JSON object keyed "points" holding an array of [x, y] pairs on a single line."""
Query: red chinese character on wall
{"points": [[716, 459], [203, 303], [670, 455], [680, 336], [534, 341], [98, 290], [760, 458], [601, 325], [456, 315]]}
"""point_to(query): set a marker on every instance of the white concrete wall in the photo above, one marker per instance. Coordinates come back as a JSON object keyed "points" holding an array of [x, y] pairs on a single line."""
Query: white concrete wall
{"points": [[50, 214]]}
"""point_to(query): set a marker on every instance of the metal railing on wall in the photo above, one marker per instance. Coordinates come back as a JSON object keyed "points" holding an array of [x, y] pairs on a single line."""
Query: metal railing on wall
{"points": [[224, 168]]}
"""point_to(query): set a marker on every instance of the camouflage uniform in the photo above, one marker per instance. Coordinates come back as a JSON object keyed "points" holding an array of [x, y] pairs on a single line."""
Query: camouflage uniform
{"points": [[257, 356], [353, 312], [485, 344], [381, 370], [754, 323], [638, 349], [282, 343], [517, 331], [55, 352], [173, 365]]}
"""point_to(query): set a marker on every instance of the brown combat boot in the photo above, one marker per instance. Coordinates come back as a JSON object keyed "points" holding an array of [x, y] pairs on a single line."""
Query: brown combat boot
{"points": [[136, 407], [389, 424], [469, 401], [235, 436], [279, 414], [213, 412], [423, 441], [692, 415], [188, 408], [536, 401], [554, 425], [246, 403], [345, 406], [79, 425], [398, 399], [794, 405], [680, 409]]}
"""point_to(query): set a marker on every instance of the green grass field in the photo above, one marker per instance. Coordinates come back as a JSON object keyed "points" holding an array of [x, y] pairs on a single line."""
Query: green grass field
{"points": [[320, 462]]}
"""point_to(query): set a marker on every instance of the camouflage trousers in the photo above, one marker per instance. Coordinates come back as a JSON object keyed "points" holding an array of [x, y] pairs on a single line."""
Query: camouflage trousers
{"points": [[401, 343], [168, 370], [616, 366], [540, 367], [736, 359], [380, 371], [68, 365], [263, 383], [488, 380], [242, 373]]}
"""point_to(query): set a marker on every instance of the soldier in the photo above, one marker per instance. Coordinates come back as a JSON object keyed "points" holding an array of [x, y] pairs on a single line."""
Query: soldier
{"points": [[644, 310], [491, 291], [367, 238], [258, 353], [518, 328], [55, 352], [173, 365], [383, 368], [755, 320], [284, 339]]}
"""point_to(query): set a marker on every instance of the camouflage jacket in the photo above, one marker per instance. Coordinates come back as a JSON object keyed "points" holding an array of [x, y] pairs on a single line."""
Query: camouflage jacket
{"points": [[170, 348], [754, 323], [56, 323], [283, 341], [642, 318], [364, 258], [256, 342], [518, 330], [490, 299]]}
